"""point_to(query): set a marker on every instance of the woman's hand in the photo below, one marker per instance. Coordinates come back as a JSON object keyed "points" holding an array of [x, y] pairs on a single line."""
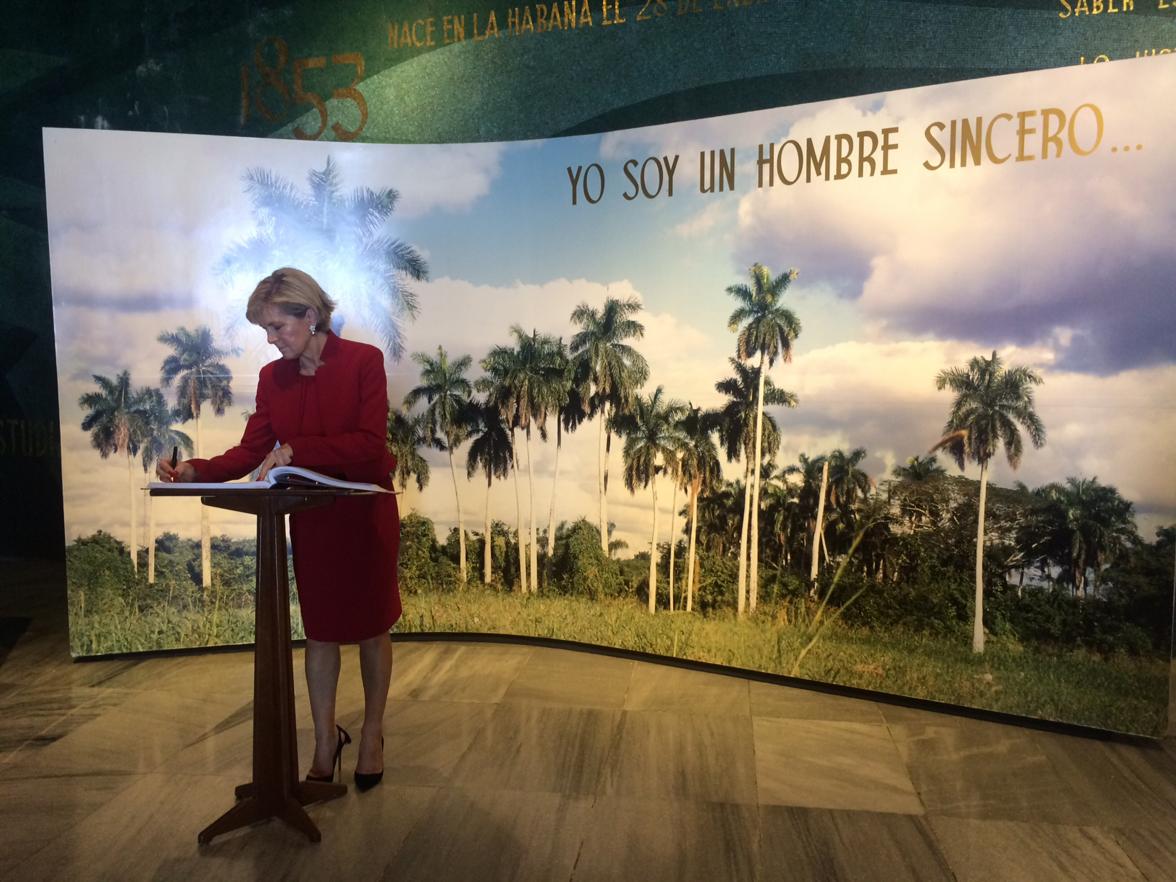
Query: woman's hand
{"points": [[279, 456], [180, 473]]}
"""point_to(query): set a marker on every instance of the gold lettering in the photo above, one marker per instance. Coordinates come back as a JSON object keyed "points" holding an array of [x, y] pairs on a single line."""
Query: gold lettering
{"points": [[929, 134], [867, 156], [1051, 137], [1098, 129], [888, 147], [992, 157], [1068, 11], [971, 137], [1023, 130], [452, 29]]}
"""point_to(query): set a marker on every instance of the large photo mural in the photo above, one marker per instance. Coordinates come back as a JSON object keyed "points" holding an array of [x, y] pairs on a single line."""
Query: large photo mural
{"points": [[873, 391]]}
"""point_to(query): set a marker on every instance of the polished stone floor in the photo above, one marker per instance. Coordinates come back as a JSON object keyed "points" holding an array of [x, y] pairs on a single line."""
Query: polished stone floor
{"points": [[523, 762]]}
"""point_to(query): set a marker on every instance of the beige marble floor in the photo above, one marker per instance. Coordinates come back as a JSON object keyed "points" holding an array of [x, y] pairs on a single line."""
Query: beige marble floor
{"points": [[526, 762]]}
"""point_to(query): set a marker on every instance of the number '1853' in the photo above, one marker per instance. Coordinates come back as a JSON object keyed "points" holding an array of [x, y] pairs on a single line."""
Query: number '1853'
{"points": [[265, 92]]}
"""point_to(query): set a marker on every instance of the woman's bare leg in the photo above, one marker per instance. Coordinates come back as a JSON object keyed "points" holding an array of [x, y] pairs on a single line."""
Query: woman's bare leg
{"points": [[322, 681], [375, 666]]}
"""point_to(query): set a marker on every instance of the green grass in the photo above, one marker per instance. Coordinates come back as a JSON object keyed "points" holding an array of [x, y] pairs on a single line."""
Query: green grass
{"points": [[1118, 693]]}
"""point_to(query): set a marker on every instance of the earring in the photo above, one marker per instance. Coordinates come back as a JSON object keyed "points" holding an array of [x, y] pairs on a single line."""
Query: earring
{"points": [[313, 328]]}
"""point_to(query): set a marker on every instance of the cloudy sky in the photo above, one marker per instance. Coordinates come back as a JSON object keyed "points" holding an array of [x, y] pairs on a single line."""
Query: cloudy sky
{"points": [[1066, 265]]}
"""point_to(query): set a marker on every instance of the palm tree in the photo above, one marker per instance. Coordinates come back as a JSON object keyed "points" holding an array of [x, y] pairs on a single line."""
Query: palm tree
{"points": [[741, 422], [501, 366], [810, 497], [1091, 521], [767, 329], [569, 408], [160, 437], [490, 451], [115, 422], [341, 240], [991, 403], [536, 380], [447, 414], [199, 375], [611, 371], [784, 515], [919, 468], [651, 436], [699, 468], [916, 478], [407, 434], [845, 483]]}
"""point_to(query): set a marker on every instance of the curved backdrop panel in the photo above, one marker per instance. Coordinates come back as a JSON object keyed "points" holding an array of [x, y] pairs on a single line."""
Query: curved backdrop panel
{"points": [[937, 319]]}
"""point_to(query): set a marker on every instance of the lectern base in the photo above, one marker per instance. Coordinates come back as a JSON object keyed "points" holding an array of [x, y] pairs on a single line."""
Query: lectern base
{"points": [[251, 809]]}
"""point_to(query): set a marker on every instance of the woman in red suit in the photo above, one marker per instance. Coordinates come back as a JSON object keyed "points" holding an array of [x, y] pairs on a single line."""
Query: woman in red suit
{"points": [[324, 405]]}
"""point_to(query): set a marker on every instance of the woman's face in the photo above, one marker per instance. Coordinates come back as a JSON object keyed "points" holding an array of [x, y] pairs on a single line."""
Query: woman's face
{"points": [[288, 333]]}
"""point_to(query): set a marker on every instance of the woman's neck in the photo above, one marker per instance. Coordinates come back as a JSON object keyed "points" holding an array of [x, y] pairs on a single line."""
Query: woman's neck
{"points": [[312, 356]]}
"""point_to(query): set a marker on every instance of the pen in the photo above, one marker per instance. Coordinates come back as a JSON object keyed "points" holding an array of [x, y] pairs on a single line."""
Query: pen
{"points": [[175, 456]]}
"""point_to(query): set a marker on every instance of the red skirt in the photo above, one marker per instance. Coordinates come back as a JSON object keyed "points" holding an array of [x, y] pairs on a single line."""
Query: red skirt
{"points": [[345, 557]]}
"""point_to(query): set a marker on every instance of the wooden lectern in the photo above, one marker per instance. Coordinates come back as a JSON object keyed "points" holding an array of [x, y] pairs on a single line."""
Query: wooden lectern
{"points": [[276, 790]]}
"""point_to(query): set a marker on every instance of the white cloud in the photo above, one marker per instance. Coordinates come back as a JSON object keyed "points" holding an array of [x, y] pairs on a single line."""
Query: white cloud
{"points": [[1000, 254], [702, 222]]}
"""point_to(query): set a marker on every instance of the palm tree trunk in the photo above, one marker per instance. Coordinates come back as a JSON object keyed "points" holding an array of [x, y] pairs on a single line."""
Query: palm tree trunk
{"points": [[673, 539], [461, 549], [150, 538], [134, 526], [753, 573], [653, 552], [519, 517], [690, 553], [818, 529], [534, 586], [604, 484], [600, 488], [487, 560], [551, 515], [978, 618], [205, 530], [742, 602]]}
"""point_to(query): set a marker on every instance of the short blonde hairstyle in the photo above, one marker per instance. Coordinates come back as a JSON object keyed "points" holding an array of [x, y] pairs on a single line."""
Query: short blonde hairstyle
{"points": [[293, 292]]}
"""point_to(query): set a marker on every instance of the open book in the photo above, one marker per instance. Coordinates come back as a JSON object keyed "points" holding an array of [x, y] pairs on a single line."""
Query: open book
{"points": [[281, 476]]}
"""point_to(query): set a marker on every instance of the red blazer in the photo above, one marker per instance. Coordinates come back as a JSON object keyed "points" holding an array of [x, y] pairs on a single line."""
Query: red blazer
{"points": [[345, 554], [350, 401]]}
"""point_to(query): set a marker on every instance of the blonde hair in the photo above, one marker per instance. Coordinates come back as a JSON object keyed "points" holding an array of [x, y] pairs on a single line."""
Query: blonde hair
{"points": [[293, 292]]}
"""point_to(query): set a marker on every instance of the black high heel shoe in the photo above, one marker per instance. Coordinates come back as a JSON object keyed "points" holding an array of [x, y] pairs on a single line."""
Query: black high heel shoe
{"points": [[344, 739], [365, 781]]}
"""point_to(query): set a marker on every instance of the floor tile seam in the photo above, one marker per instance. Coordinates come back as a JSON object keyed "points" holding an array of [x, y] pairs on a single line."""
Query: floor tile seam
{"points": [[754, 754], [1060, 777], [1037, 821], [54, 721], [915, 788], [1127, 848], [75, 823], [688, 714]]}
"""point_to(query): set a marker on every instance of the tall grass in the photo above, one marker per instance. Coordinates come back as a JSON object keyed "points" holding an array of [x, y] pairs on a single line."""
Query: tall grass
{"points": [[1120, 693]]}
